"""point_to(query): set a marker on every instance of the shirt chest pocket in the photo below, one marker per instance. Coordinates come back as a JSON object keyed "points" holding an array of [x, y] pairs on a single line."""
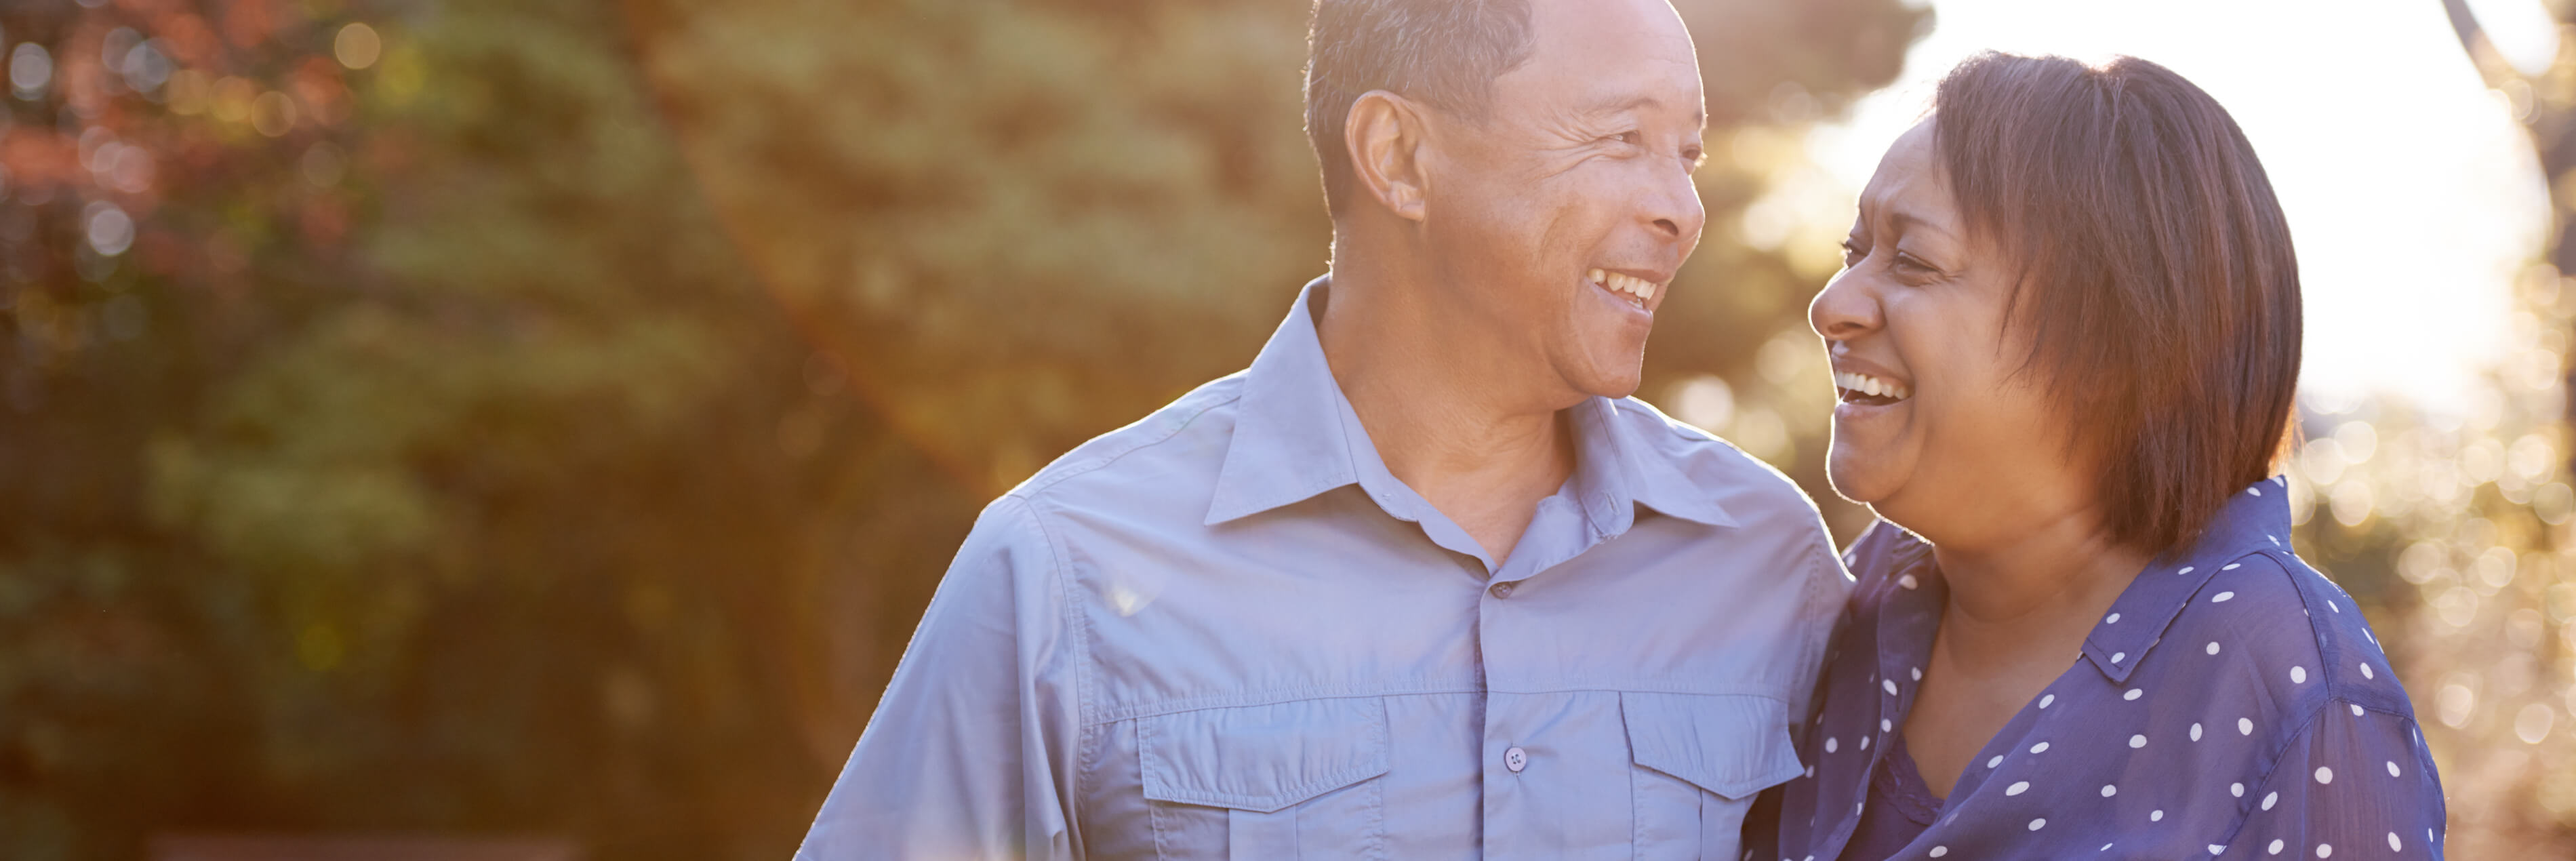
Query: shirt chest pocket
{"points": [[1699, 762], [1282, 781]]}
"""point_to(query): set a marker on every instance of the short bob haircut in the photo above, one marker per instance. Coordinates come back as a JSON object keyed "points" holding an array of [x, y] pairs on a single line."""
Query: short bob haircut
{"points": [[2155, 272]]}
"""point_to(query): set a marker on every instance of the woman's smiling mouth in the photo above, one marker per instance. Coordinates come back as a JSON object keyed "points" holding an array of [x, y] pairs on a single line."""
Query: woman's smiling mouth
{"points": [[1866, 390]]}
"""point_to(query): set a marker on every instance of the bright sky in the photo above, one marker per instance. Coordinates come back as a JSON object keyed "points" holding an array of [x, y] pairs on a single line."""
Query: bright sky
{"points": [[2412, 194]]}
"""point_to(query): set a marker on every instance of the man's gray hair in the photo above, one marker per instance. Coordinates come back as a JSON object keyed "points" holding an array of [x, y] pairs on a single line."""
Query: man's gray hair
{"points": [[1445, 53]]}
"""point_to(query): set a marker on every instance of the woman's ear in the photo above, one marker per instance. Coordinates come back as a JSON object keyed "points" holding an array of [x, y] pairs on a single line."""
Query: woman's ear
{"points": [[1385, 137]]}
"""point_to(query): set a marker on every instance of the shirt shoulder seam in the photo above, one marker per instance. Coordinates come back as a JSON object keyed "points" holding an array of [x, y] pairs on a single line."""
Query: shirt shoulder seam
{"points": [[1039, 485]]}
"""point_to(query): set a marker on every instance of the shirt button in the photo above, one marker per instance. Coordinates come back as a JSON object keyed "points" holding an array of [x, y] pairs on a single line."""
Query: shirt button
{"points": [[1516, 759], [1503, 590]]}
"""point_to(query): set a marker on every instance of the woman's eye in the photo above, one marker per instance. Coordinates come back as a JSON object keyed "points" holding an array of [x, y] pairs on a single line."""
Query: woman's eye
{"points": [[1912, 263], [1852, 252], [1630, 138]]}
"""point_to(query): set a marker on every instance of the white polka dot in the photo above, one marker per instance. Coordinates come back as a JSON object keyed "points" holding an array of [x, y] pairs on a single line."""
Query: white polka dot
{"points": [[2325, 851], [1811, 771], [2366, 672], [1918, 674], [2185, 570], [2393, 845], [2331, 605], [1997, 759], [2113, 620], [2356, 710], [2017, 788], [2105, 848], [2275, 848], [2117, 656], [1885, 725], [2041, 747], [2045, 699], [2213, 647], [2269, 798], [2298, 675], [2244, 726], [2133, 693], [2215, 849], [2392, 768], [2157, 816], [2229, 567], [1864, 742], [2236, 789], [1831, 744], [2037, 824], [1906, 581], [1889, 684], [2325, 775], [1938, 851], [2257, 491], [2137, 741], [2109, 790]]}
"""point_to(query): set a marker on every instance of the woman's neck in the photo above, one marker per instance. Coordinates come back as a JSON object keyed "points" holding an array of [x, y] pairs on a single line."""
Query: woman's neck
{"points": [[2031, 595]]}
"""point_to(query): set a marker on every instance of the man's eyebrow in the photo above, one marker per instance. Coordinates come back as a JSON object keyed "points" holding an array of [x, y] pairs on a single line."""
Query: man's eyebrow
{"points": [[1603, 105], [1616, 104]]}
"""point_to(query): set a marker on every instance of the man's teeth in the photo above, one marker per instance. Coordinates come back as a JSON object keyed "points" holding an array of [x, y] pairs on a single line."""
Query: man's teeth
{"points": [[1617, 283], [1869, 385]]}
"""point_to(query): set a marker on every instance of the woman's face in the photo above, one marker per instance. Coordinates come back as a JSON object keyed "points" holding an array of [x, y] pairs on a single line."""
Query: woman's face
{"points": [[1935, 430]]}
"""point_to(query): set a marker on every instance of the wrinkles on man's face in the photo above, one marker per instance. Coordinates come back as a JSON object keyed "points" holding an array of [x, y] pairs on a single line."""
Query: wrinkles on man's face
{"points": [[1575, 203]]}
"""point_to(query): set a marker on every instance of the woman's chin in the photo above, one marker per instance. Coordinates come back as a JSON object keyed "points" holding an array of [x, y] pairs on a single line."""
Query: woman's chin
{"points": [[1858, 476]]}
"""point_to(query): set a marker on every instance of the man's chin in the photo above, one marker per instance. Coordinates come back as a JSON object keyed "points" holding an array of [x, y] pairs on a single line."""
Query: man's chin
{"points": [[1611, 383]]}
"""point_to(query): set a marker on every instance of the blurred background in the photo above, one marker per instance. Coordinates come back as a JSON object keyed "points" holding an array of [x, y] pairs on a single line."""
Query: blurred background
{"points": [[502, 429]]}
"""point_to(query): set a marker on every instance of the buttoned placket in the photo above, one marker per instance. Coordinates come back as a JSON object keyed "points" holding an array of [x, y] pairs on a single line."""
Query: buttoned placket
{"points": [[1510, 739]]}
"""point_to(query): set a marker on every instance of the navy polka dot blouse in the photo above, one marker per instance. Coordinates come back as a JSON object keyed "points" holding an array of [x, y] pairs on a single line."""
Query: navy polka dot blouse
{"points": [[2232, 704]]}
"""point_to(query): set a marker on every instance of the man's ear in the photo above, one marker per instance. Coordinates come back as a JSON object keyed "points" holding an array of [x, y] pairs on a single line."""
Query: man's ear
{"points": [[1385, 136]]}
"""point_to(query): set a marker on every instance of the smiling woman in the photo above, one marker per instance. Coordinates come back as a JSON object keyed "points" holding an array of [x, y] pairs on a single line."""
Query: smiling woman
{"points": [[2065, 343]]}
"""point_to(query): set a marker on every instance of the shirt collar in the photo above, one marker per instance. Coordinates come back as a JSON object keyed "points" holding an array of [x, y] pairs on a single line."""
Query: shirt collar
{"points": [[1295, 436], [2257, 519]]}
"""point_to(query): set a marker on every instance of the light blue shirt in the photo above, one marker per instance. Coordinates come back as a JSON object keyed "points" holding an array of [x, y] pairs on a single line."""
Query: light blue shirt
{"points": [[1226, 631]]}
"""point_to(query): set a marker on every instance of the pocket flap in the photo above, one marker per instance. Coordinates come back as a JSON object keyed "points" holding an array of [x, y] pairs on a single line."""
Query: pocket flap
{"points": [[1734, 746], [1262, 758]]}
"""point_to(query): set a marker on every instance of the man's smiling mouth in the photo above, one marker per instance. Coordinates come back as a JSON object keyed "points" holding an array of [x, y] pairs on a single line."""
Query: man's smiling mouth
{"points": [[1637, 291], [1867, 390]]}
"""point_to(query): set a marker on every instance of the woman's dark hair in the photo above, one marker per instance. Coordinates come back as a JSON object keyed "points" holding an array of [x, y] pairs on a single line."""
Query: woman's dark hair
{"points": [[2155, 272]]}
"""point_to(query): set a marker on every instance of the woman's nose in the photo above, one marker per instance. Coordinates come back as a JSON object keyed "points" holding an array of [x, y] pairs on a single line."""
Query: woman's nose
{"points": [[1847, 308]]}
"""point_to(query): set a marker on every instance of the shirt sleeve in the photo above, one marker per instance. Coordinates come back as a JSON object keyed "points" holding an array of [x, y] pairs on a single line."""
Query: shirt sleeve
{"points": [[969, 753], [2355, 783]]}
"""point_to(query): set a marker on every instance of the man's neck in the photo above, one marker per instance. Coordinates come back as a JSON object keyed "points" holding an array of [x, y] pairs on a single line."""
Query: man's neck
{"points": [[1451, 419]]}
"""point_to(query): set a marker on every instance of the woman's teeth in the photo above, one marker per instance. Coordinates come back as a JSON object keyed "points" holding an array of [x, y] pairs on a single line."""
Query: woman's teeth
{"points": [[1864, 384], [1638, 289]]}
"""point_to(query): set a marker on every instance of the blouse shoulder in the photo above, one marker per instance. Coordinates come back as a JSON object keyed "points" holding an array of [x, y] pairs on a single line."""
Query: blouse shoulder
{"points": [[2280, 632]]}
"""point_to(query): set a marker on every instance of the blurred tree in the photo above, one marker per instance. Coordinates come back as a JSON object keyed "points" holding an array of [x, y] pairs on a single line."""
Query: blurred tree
{"points": [[2476, 515], [415, 415]]}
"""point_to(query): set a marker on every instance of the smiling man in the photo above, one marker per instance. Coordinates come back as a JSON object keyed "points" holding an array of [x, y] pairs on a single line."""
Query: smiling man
{"points": [[1423, 582]]}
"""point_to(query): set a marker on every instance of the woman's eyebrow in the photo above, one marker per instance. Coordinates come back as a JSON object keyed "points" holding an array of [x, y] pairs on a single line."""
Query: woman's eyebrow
{"points": [[1899, 219]]}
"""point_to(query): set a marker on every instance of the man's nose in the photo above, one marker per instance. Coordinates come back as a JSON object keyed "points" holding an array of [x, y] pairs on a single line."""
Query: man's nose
{"points": [[1673, 208]]}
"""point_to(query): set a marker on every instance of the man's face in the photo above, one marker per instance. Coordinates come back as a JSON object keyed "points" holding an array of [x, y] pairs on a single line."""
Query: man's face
{"points": [[1559, 219]]}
